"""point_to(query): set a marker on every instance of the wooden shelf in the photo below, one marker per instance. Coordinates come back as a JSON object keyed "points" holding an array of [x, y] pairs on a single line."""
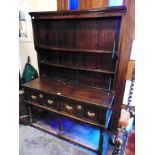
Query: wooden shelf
{"points": [[72, 50], [62, 136], [50, 123], [106, 71]]}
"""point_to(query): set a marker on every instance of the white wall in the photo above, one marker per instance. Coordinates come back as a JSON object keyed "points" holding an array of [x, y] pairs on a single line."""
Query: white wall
{"points": [[46, 5], [26, 46]]}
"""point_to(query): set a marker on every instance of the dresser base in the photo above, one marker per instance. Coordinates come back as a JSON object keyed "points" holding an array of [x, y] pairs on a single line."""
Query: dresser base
{"points": [[67, 130]]}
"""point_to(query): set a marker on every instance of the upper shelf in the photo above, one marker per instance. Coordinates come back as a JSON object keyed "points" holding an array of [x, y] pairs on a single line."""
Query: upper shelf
{"points": [[72, 50], [106, 71], [93, 13]]}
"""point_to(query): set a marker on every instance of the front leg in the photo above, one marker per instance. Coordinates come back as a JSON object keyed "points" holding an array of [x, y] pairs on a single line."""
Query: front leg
{"points": [[100, 148]]}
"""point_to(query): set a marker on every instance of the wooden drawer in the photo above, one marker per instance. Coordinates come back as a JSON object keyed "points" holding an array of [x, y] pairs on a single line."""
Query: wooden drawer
{"points": [[34, 96], [91, 114], [81, 110], [69, 108], [51, 101], [73, 108]]}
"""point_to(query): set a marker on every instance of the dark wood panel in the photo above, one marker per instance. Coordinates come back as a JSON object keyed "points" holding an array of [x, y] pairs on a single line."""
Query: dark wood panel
{"points": [[65, 34], [81, 77], [106, 34], [53, 34], [81, 34], [59, 49], [102, 63], [86, 34], [23, 108], [78, 68], [124, 48]]}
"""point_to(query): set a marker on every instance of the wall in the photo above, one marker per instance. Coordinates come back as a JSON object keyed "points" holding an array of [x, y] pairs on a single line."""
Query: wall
{"points": [[26, 45]]}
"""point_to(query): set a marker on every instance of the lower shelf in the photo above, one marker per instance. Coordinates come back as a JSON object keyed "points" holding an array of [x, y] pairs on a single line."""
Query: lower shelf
{"points": [[47, 122], [81, 133], [77, 133]]}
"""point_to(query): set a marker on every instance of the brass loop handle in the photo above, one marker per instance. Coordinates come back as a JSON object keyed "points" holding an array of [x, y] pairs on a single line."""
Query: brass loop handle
{"points": [[49, 101], [69, 107], [91, 114], [33, 97], [41, 96]]}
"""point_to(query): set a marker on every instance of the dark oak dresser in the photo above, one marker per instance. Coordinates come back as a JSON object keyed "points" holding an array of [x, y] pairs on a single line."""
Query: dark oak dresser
{"points": [[78, 57]]}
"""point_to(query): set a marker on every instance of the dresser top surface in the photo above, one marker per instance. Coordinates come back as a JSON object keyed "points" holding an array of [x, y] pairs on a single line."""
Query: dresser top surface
{"points": [[106, 11], [93, 96]]}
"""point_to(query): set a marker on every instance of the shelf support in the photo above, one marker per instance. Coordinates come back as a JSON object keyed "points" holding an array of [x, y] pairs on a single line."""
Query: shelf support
{"points": [[115, 39], [60, 126], [100, 148], [30, 115], [109, 88]]}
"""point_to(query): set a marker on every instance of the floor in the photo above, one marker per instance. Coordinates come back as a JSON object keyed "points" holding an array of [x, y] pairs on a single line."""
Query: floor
{"points": [[36, 142]]}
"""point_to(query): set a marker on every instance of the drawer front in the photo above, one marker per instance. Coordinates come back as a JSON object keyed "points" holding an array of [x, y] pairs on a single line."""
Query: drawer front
{"points": [[73, 108], [51, 101], [68, 107], [91, 114], [35, 96]]}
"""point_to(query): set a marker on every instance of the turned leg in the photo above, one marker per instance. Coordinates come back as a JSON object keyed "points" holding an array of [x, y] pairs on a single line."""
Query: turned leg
{"points": [[60, 126], [119, 141], [101, 142], [30, 115]]}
